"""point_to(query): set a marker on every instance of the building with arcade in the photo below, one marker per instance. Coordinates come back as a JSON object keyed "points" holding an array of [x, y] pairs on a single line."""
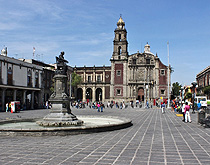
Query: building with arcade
{"points": [[139, 76]]}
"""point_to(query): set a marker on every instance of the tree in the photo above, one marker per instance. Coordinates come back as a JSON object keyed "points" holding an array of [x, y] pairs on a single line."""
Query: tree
{"points": [[188, 95], [76, 80], [206, 90], [52, 86], [175, 89], [171, 69]]}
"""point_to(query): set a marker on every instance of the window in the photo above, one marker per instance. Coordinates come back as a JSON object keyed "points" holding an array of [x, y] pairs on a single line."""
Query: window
{"points": [[99, 78], [119, 50], [9, 76], [119, 37], [89, 78], [118, 92], [37, 79], [134, 61], [162, 72], [162, 92], [118, 73], [147, 61], [29, 78]]}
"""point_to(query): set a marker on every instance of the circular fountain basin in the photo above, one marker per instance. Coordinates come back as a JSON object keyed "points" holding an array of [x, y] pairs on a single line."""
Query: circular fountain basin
{"points": [[28, 127]]}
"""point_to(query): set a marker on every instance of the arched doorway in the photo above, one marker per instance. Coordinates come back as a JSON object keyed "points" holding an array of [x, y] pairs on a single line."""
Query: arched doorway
{"points": [[79, 94], [140, 96], [88, 94], [98, 94]]}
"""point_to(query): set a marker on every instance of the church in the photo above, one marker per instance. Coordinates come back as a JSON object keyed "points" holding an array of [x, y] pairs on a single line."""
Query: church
{"points": [[139, 76]]}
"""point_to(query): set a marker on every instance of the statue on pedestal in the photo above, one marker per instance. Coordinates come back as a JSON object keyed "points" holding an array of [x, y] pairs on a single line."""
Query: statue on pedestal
{"points": [[60, 113]]}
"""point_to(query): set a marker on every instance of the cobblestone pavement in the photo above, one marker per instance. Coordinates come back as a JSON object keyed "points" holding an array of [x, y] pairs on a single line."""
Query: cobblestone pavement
{"points": [[154, 138]]}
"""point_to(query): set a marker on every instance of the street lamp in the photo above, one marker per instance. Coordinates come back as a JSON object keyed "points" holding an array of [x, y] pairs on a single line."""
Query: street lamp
{"points": [[193, 98], [87, 95]]}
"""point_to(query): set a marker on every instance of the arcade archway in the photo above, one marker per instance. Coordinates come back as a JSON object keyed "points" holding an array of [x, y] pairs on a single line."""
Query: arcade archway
{"points": [[88, 94], [79, 94], [98, 94]]}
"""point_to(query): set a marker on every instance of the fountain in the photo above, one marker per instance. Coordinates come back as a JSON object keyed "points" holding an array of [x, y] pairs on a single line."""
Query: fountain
{"points": [[60, 113], [60, 120]]}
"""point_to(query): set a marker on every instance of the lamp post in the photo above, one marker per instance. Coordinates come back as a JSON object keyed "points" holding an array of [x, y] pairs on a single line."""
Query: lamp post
{"points": [[193, 98], [87, 95]]}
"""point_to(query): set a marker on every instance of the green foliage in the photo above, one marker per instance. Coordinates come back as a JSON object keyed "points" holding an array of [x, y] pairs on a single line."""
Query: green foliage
{"points": [[206, 90], [176, 88], [171, 69], [52, 86], [52, 89], [199, 94], [188, 95], [76, 79]]}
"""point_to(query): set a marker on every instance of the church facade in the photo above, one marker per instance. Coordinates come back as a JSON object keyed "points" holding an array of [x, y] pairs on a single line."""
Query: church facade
{"points": [[139, 76]]}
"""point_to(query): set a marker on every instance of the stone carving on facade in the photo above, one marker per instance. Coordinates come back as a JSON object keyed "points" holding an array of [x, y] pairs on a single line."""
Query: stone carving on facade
{"points": [[141, 75]]}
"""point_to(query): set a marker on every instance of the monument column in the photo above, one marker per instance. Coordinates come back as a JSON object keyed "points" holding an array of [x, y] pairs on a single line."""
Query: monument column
{"points": [[60, 113]]}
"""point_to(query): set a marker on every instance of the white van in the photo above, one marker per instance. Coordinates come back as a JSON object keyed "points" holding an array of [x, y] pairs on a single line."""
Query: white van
{"points": [[202, 99]]}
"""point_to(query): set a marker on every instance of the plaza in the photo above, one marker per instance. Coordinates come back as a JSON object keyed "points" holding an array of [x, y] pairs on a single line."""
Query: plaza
{"points": [[154, 138]]}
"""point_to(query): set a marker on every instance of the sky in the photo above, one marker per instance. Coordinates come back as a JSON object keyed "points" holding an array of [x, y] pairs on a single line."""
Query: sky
{"points": [[84, 30]]}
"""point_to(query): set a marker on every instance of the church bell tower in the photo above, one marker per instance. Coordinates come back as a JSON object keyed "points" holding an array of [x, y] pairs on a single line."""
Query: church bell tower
{"points": [[119, 63], [120, 51]]}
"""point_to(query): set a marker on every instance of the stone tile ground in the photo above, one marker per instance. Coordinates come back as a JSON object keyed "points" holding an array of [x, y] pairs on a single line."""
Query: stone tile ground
{"points": [[154, 138]]}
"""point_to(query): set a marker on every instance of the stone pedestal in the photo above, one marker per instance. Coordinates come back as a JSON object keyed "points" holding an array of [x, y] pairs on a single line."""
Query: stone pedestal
{"points": [[60, 113]]}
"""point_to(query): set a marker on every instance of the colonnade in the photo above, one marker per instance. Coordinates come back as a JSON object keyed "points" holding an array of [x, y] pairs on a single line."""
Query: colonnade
{"points": [[97, 94], [5, 98]]}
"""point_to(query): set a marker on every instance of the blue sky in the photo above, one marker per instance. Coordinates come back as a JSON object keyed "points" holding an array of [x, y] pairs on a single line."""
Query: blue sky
{"points": [[84, 30]]}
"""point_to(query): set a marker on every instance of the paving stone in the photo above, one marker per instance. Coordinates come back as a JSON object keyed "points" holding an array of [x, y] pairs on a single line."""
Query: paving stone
{"points": [[154, 138]]}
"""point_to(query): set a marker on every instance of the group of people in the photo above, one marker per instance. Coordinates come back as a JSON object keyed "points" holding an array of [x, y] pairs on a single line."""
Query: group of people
{"points": [[184, 108], [111, 104], [8, 107]]}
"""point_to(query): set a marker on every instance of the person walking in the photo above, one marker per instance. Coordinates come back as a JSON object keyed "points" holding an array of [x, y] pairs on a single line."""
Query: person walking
{"points": [[147, 104], [163, 106], [7, 107], [183, 110], [187, 113], [198, 106], [102, 107], [47, 105], [121, 105], [98, 105]]}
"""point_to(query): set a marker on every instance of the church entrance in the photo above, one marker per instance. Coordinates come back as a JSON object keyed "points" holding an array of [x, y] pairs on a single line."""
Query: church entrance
{"points": [[140, 96]]}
